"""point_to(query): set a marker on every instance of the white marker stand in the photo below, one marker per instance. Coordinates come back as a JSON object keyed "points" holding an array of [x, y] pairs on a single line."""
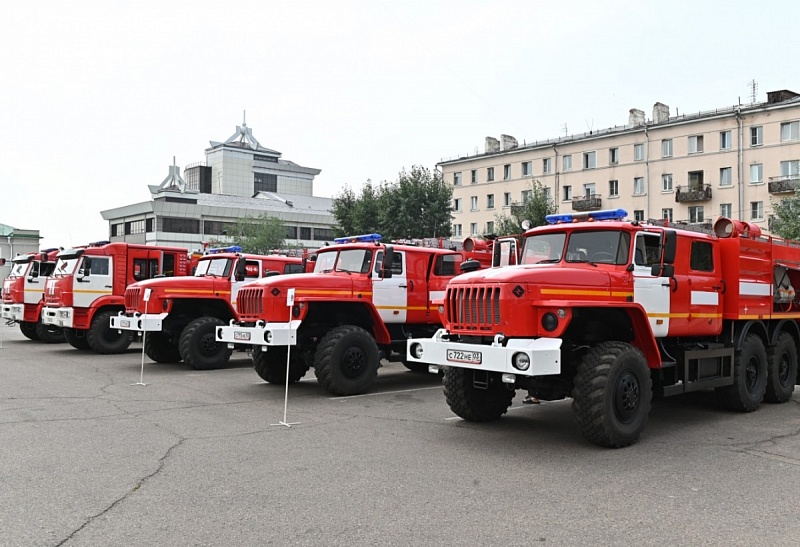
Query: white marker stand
{"points": [[144, 334], [289, 303]]}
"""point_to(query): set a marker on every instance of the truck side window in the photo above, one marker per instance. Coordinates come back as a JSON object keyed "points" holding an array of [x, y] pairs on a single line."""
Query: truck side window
{"points": [[169, 265], [702, 257], [293, 268], [139, 269], [98, 266], [251, 269], [648, 250], [447, 264], [397, 263]]}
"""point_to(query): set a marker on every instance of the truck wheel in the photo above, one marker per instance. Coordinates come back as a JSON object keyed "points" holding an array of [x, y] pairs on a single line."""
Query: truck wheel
{"points": [[270, 365], [475, 404], [347, 359], [105, 340], [749, 377], [49, 334], [76, 339], [781, 369], [28, 329], [612, 394], [198, 345], [160, 348]]}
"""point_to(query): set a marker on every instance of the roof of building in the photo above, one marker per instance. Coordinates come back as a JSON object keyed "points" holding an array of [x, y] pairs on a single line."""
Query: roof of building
{"points": [[6, 230]]}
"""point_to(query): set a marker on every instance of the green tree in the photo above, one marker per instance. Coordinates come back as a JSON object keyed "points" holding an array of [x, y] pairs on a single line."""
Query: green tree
{"points": [[787, 217], [534, 208], [255, 235]]}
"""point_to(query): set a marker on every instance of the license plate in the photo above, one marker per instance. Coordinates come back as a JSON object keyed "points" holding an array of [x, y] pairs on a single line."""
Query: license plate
{"points": [[241, 335], [124, 323], [458, 356]]}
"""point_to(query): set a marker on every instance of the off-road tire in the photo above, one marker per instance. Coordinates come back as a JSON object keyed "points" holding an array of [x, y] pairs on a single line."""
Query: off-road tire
{"points": [[49, 334], [270, 365], [77, 339], [103, 339], [750, 368], [781, 369], [198, 345], [612, 394], [28, 330], [476, 404], [347, 360], [159, 347]]}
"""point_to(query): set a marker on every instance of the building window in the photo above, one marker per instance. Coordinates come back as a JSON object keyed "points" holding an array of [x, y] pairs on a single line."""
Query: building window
{"points": [[489, 227], [756, 136], [724, 140], [149, 225], [613, 188], [589, 189], [695, 144], [179, 225], [725, 176], [323, 234], [456, 230], [790, 168], [638, 214], [525, 196], [567, 193], [638, 152], [546, 165], [666, 214], [613, 156], [756, 173], [134, 227], [589, 160], [790, 131], [547, 193], [473, 229], [695, 180], [506, 172], [696, 214], [457, 205], [567, 162], [305, 232], [726, 210], [666, 182], [473, 176], [216, 228], [473, 203], [756, 210], [490, 201], [116, 230], [638, 186], [264, 182], [506, 199], [489, 174], [457, 179], [291, 232], [526, 169], [666, 148]]}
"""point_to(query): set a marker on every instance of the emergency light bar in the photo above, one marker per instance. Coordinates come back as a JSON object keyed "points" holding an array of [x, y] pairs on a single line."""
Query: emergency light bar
{"points": [[366, 238], [608, 214], [231, 249]]}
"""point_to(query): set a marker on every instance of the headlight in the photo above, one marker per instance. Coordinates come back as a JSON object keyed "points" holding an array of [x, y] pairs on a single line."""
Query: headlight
{"points": [[549, 321], [268, 337], [521, 361], [416, 351]]}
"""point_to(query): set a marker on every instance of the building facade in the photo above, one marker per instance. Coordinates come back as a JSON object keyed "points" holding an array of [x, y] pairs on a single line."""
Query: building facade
{"points": [[13, 242], [692, 168], [239, 179]]}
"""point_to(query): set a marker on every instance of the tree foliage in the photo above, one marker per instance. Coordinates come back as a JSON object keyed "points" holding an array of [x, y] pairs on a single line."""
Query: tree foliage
{"points": [[787, 217], [535, 208], [255, 235], [417, 205]]}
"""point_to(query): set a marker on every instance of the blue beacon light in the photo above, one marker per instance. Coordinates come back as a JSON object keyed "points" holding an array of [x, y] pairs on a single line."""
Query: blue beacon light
{"points": [[231, 249], [608, 214], [365, 238]]}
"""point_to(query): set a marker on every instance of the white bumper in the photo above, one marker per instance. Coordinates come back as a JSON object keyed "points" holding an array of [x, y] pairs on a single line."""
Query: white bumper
{"points": [[544, 354], [14, 312], [60, 317], [150, 322], [263, 334]]}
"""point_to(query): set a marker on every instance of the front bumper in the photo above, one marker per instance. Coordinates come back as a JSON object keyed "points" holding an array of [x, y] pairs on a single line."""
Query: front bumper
{"points": [[544, 354], [262, 334], [60, 317], [13, 312], [139, 322]]}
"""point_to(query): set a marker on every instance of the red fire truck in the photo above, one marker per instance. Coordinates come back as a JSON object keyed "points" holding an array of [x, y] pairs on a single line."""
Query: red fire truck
{"points": [[360, 303], [23, 295], [87, 286], [610, 312], [179, 315]]}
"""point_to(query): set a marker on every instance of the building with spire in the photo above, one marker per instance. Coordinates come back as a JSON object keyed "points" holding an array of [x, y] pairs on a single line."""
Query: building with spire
{"points": [[240, 178]]}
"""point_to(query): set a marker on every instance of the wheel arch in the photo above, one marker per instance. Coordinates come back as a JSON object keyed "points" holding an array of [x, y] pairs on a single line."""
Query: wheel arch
{"points": [[742, 329]]}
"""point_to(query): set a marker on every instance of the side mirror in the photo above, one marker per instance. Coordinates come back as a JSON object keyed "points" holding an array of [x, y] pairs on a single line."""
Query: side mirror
{"points": [[86, 268], [667, 270], [670, 245], [388, 260], [241, 269]]}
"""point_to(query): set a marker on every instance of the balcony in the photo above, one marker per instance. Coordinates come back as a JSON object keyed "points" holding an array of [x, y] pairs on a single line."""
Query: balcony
{"points": [[693, 192], [784, 184], [591, 202]]}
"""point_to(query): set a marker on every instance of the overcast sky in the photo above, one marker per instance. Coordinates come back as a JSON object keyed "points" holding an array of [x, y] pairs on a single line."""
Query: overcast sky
{"points": [[97, 97]]}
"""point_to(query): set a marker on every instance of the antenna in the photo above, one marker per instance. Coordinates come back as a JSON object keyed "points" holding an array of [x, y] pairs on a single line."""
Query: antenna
{"points": [[753, 90], [244, 118], [564, 127]]}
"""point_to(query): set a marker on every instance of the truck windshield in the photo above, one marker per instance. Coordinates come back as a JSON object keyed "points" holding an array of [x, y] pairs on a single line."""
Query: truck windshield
{"points": [[543, 248], [605, 246], [215, 267], [354, 260], [19, 269], [325, 261], [65, 266]]}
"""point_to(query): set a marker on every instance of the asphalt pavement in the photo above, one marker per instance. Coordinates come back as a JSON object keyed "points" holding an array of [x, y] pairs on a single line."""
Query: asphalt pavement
{"points": [[89, 458]]}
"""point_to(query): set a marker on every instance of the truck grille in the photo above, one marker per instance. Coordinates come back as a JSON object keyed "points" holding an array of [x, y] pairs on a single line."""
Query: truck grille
{"points": [[250, 302], [473, 308], [133, 297]]}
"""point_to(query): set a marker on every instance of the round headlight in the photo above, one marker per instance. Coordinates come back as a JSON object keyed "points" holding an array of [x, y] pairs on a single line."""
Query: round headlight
{"points": [[549, 321], [268, 337], [417, 351], [441, 309], [521, 361], [296, 310]]}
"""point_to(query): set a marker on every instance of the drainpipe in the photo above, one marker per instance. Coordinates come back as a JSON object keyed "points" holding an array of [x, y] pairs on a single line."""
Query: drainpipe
{"points": [[740, 161], [647, 171], [556, 198]]}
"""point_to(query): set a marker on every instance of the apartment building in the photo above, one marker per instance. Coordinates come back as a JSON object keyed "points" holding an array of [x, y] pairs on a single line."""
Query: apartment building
{"points": [[690, 168]]}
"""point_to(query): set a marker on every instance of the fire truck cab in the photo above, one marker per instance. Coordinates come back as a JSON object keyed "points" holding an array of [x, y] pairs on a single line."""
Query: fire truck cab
{"points": [[87, 286]]}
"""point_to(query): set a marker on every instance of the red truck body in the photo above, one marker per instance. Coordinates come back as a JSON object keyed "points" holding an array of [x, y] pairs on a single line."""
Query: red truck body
{"points": [[23, 295]]}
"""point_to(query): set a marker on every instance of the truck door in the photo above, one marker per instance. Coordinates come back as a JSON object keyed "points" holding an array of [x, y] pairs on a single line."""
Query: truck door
{"points": [[390, 296], [92, 280], [33, 287], [253, 271], [653, 293]]}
